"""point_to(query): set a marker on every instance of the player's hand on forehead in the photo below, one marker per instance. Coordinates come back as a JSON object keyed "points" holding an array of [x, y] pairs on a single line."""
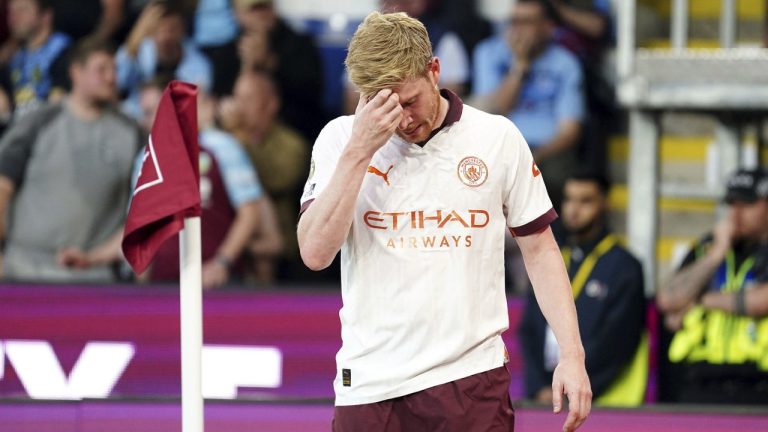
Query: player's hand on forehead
{"points": [[376, 119]]}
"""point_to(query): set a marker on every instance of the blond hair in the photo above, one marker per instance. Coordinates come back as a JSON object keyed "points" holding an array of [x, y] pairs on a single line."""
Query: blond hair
{"points": [[387, 50]]}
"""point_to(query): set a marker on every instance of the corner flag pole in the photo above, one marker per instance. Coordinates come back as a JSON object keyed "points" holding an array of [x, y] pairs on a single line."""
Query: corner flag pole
{"points": [[190, 265], [167, 191]]}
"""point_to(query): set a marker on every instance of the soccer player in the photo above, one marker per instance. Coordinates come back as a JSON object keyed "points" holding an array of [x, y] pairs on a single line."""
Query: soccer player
{"points": [[416, 190]]}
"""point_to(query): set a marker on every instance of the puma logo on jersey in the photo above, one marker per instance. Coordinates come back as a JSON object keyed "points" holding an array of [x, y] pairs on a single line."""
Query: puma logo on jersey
{"points": [[373, 170], [535, 170]]}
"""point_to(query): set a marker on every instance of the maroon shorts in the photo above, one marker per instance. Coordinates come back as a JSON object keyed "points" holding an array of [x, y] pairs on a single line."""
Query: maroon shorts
{"points": [[476, 403]]}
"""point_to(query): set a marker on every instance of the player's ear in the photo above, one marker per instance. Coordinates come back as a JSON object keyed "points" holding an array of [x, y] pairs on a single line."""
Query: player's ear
{"points": [[433, 70]]}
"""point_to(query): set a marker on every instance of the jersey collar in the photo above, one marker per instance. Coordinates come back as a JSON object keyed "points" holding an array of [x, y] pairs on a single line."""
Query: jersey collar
{"points": [[455, 108]]}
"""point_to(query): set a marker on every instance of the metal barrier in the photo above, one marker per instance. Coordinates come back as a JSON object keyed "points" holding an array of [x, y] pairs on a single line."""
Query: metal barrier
{"points": [[730, 83]]}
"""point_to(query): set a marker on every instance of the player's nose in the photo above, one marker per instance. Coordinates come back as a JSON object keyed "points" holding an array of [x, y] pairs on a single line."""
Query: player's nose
{"points": [[405, 120]]}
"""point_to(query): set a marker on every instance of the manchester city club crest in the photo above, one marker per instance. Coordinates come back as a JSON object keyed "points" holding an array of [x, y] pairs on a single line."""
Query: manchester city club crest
{"points": [[472, 171]]}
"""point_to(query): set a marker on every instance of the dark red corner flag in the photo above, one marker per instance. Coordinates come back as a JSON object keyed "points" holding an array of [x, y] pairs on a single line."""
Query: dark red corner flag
{"points": [[167, 189]]}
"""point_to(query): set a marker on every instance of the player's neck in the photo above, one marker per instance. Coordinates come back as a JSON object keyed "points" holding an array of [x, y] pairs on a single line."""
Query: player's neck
{"points": [[442, 111]]}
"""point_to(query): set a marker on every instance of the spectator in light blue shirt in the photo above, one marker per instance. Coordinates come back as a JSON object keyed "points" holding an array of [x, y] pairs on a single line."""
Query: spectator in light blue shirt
{"points": [[523, 75], [157, 46]]}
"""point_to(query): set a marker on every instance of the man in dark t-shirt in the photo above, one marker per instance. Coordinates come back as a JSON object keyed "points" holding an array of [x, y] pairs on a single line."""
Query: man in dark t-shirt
{"points": [[37, 71]]}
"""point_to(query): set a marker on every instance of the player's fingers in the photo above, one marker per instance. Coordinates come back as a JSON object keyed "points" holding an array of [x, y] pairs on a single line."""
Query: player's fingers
{"points": [[580, 404], [557, 397], [393, 115], [392, 102], [573, 419], [570, 422], [360, 104], [381, 98], [585, 406]]}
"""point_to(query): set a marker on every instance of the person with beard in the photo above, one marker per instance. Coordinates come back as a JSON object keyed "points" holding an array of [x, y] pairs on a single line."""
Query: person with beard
{"points": [[416, 190], [280, 155], [716, 305], [607, 284], [65, 172]]}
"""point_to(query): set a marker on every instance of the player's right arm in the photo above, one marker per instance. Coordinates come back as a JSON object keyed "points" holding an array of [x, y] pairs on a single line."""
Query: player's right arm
{"points": [[324, 226]]}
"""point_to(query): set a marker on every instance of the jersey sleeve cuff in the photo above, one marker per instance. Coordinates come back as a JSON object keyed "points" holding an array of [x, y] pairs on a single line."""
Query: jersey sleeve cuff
{"points": [[535, 225]]}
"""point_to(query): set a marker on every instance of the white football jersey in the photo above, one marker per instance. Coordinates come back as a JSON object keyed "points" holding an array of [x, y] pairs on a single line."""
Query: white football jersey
{"points": [[422, 269]]}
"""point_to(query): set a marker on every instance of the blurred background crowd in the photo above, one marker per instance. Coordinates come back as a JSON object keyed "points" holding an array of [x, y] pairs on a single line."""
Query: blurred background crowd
{"points": [[89, 73], [80, 82]]}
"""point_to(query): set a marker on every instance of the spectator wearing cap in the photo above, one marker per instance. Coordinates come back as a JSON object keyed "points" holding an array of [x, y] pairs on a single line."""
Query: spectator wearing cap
{"points": [[716, 305]]}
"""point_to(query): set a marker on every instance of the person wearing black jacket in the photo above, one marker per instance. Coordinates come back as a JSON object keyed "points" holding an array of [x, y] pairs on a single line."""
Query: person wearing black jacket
{"points": [[608, 287]]}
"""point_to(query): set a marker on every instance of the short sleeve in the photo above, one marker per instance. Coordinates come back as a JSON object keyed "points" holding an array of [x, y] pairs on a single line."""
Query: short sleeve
{"points": [[325, 155], [527, 206], [18, 141]]}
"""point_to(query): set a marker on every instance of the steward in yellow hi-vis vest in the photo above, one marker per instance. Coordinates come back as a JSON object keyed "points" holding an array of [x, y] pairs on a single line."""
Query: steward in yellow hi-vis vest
{"points": [[716, 304], [607, 283]]}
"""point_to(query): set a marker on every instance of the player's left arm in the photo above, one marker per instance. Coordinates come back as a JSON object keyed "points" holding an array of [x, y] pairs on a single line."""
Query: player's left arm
{"points": [[553, 292]]}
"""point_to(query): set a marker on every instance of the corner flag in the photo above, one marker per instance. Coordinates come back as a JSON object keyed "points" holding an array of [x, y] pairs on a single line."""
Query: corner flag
{"points": [[166, 201], [167, 189]]}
